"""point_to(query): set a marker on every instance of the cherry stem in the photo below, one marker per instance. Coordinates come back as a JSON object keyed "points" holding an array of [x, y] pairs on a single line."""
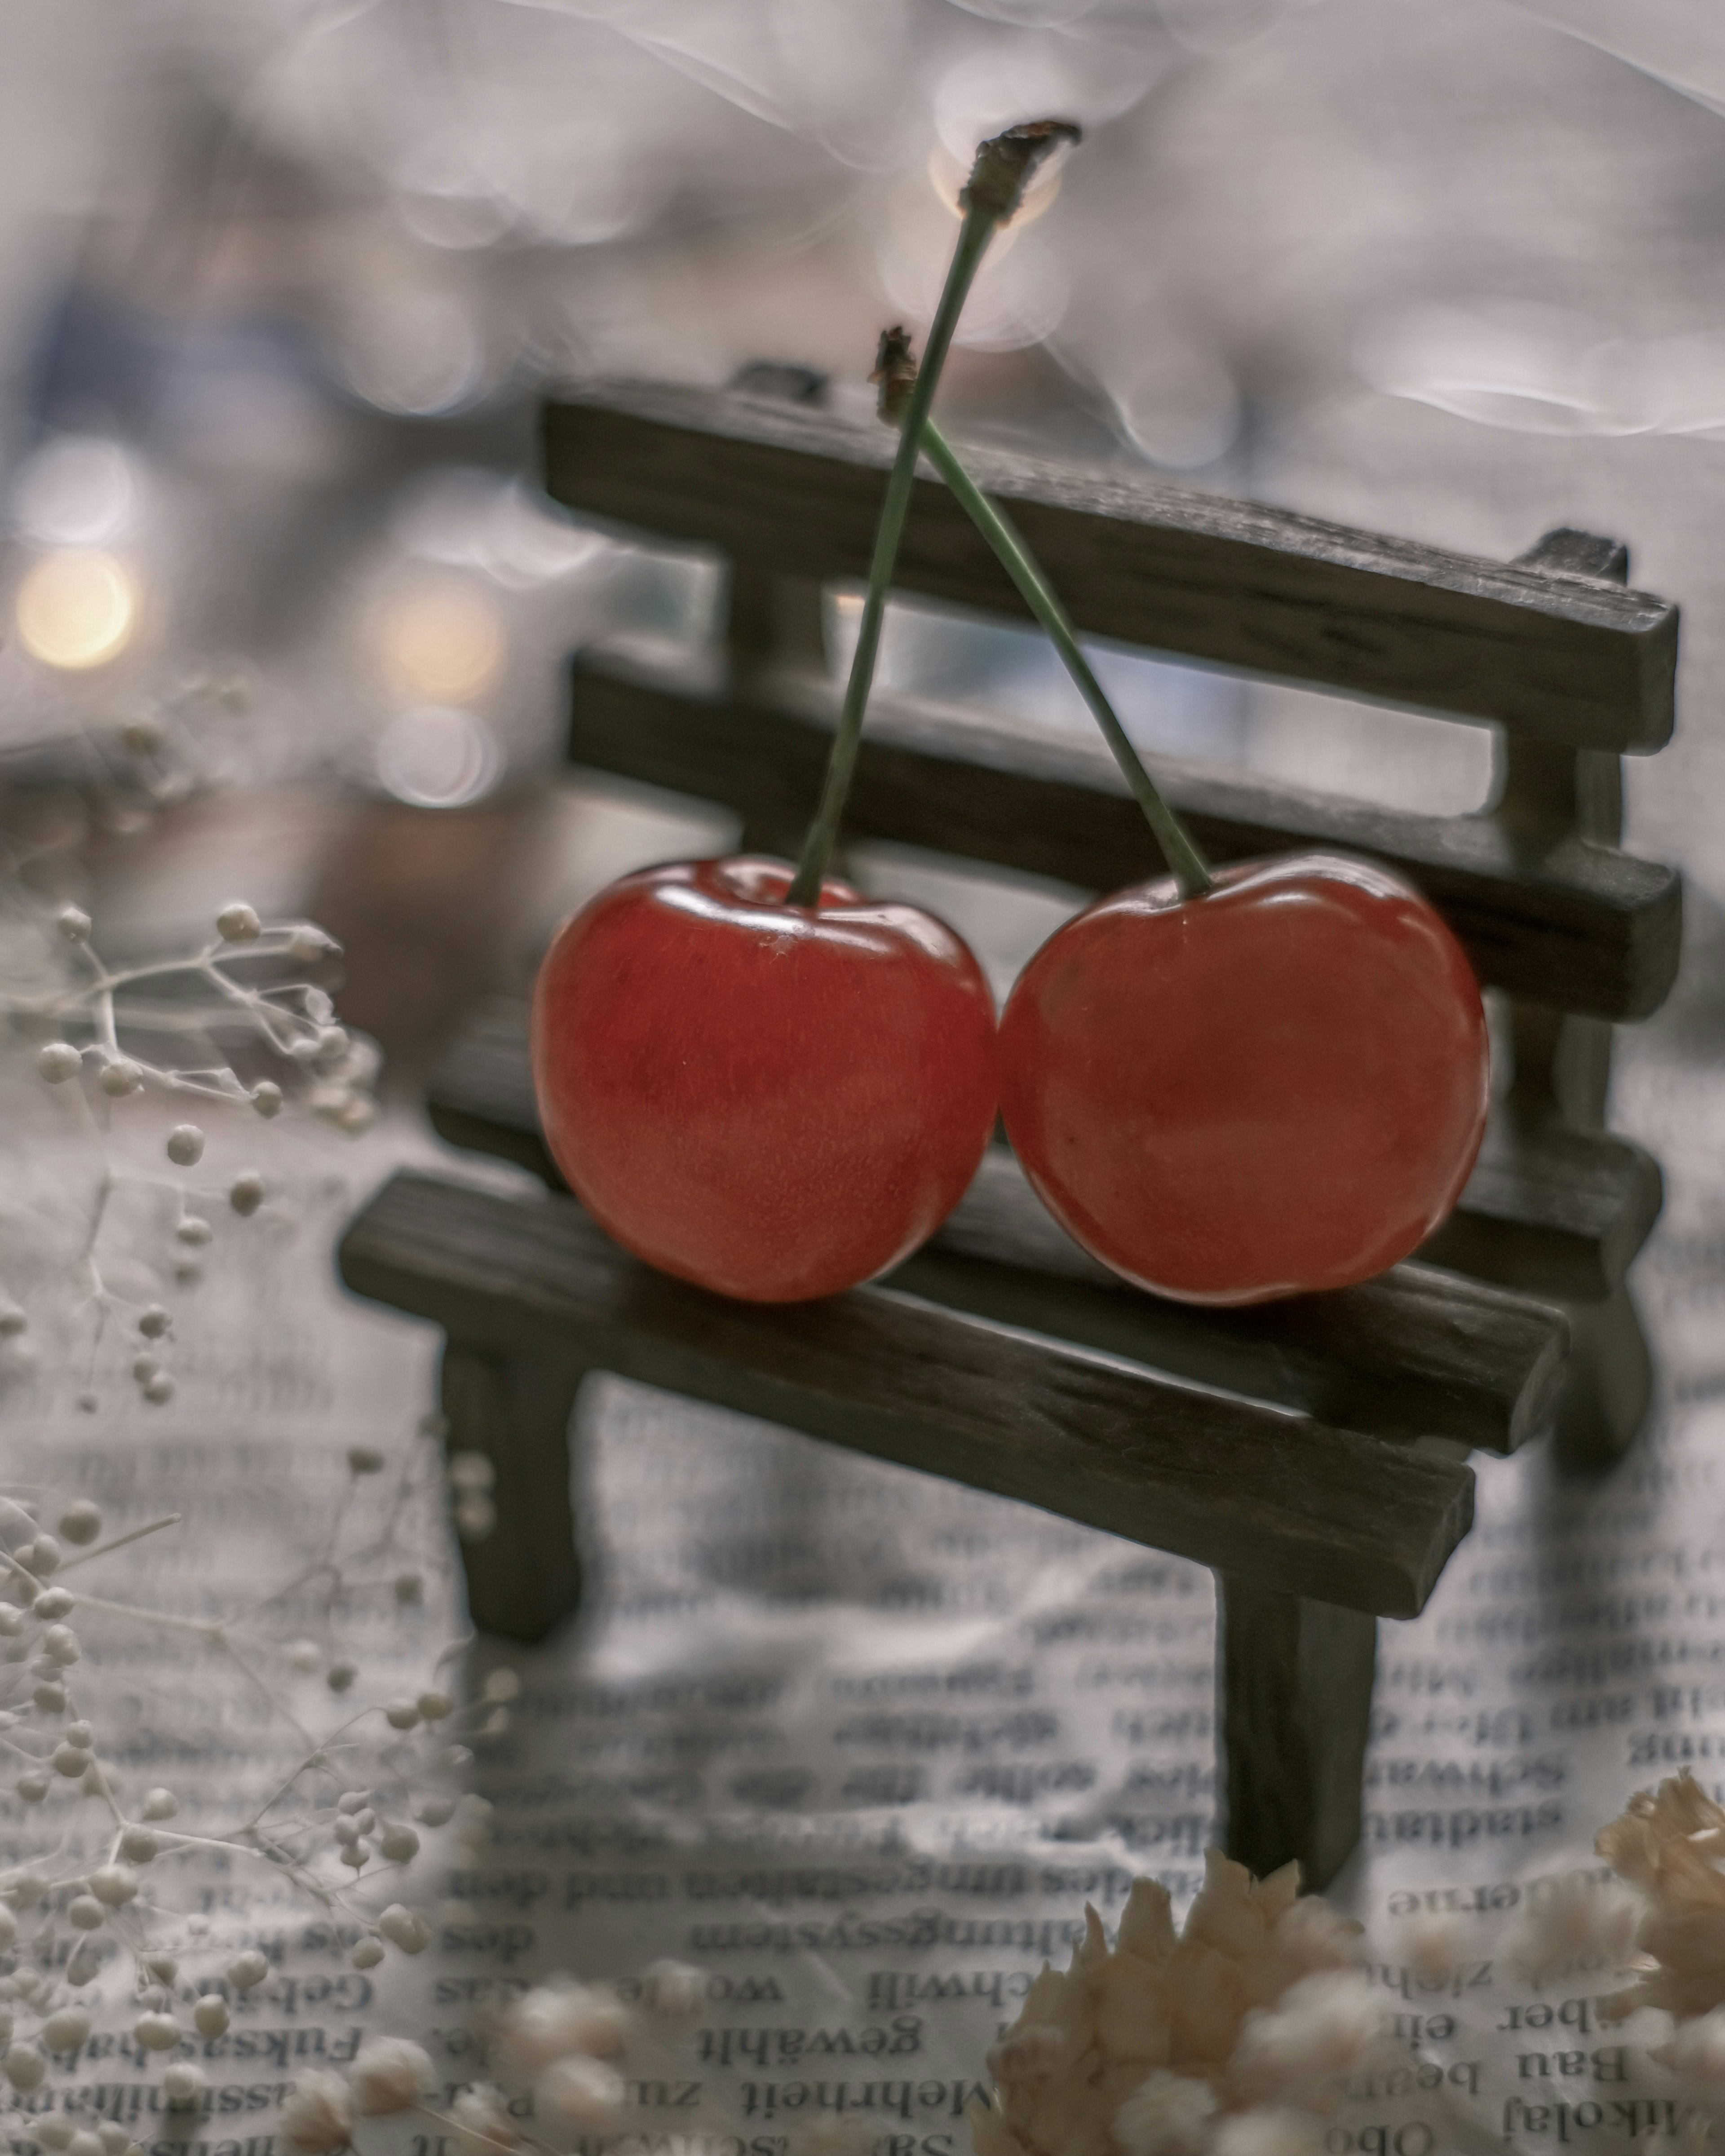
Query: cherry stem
{"points": [[1181, 851], [997, 179]]}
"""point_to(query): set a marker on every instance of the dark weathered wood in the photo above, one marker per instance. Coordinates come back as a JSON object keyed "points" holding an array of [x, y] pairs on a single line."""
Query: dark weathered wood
{"points": [[1294, 1705], [1552, 1211], [524, 1577], [1414, 1353], [1581, 926], [1568, 657], [1300, 1507]]}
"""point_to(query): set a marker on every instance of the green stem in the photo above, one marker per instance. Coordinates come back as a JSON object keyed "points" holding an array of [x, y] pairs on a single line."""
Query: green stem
{"points": [[1190, 869], [974, 238]]}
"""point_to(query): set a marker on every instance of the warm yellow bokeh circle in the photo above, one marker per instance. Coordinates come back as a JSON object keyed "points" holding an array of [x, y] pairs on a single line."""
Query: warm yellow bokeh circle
{"points": [[76, 608]]}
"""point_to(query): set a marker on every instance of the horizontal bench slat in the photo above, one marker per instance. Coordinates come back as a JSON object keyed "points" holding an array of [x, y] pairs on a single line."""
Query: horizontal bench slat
{"points": [[1301, 1508], [784, 487], [1415, 1353], [1581, 927]]}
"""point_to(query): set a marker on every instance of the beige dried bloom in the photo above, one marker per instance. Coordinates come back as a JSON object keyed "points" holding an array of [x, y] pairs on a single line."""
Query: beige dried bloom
{"points": [[1669, 1845], [1582, 1918], [558, 2021], [483, 2125], [1161, 2045], [390, 2075], [317, 2118]]}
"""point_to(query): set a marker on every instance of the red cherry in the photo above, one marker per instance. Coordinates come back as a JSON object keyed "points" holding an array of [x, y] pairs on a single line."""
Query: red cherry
{"points": [[1277, 1086], [774, 1102]]}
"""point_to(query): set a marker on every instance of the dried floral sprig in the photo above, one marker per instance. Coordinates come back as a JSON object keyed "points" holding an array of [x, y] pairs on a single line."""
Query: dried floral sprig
{"points": [[1235, 2036], [341, 1825], [183, 1025], [1669, 1847], [558, 2048]]}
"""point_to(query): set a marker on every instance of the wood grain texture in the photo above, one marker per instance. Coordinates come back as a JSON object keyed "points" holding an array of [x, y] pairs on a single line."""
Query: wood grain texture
{"points": [[1567, 657], [1294, 1711], [1577, 925], [1412, 1354], [1303, 1508]]}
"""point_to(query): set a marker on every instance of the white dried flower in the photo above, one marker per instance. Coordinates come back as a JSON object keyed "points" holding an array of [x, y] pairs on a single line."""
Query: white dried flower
{"points": [[138, 1845], [113, 2137], [483, 2125], [399, 1844], [160, 1390], [1298, 2051], [160, 1804], [81, 1522], [43, 1556], [247, 1970], [675, 1989], [580, 2094], [66, 2029], [1165, 2115], [390, 2075], [183, 2085], [73, 924], [116, 1884], [553, 2020], [401, 1714], [119, 1077], [58, 1061], [161, 1969], [54, 2132], [245, 1193], [209, 2016], [59, 1644], [317, 2118], [405, 1929], [156, 2031], [368, 1953], [1581, 1917], [238, 923], [185, 1145], [435, 1705], [153, 1322], [84, 1913], [267, 1098]]}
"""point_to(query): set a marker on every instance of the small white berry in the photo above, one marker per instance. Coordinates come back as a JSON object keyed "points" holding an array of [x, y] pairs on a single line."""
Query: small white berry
{"points": [[59, 1643], [55, 2134], [69, 1759], [116, 1884], [435, 1705], [138, 1845], [81, 1522], [194, 1231], [163, 1968], [247, 1970], [390, 2075], [84, 2142], [475, 1518], [53, 1603], [353, 1800], [238, 923], [73, 924], [85, 1913], [437, 1811], [183, 2084], [405, 1929], [503, 1685], [121, 1076], [44, 1557], [356, 1853], [266, 1098], [58, 1062], [144, 1366], [368, 1953], [304, 1655], [160, 1804], [153, 1322], [81, 1734], [401, 1714], [24, 2066], [245, 1193], [32, 1786], [156, 2031], [159, 1391], [339, 1676], [209, 2016], [113, 2138], [398, 1844], [471, 1472], [185, 1145], [66, 2029], [50, 1697], [317, 2118]]}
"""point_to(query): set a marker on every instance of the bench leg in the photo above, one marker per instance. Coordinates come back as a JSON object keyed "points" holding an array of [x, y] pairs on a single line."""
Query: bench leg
{"points": [[523, 1576], [1294, 1709], [1609, 1387]]}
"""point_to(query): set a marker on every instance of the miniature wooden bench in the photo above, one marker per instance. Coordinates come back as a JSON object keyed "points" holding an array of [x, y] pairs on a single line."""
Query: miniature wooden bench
{"points": [[1322, 1482]]}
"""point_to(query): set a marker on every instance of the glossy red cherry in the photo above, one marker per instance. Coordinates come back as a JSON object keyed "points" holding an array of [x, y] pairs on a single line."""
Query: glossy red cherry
{"points": [[1277, 1086], [775, 1102]]}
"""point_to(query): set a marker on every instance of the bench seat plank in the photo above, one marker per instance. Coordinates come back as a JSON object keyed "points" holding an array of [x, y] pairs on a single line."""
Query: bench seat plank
{"points": [[784, 487], [1413, 1353], [1303, 1508], [1581, 927]]}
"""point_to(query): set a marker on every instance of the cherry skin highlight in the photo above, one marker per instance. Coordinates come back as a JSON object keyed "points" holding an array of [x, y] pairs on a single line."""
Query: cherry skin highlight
{"points": [[774, 1102], [1274, 1088]]}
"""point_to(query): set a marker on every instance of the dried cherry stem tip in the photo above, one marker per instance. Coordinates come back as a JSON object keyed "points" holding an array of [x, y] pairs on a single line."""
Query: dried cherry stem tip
{"points": [[997, 179]]}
